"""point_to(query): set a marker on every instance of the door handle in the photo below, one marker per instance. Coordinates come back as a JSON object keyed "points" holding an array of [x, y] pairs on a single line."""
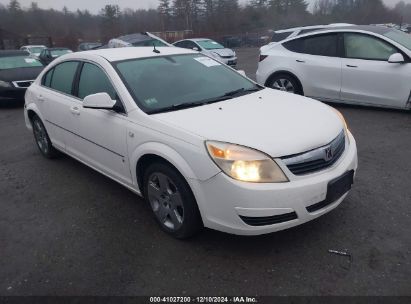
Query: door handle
{"points": [[75, 110], [40, 98], [300, 61], [352, 66]]}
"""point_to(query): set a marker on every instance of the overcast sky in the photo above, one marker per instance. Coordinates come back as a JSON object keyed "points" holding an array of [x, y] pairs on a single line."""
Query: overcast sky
{"points": [[95, 5]]}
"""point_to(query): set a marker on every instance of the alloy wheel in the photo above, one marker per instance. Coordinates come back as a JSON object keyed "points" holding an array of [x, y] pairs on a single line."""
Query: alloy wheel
{"points": [[40, 135], [166, 201], [283, 84]]}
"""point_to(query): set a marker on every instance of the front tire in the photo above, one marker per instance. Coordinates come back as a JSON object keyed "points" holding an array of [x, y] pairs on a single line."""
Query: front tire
{"points": [[286, 83], [42, 138], [171, 201]]}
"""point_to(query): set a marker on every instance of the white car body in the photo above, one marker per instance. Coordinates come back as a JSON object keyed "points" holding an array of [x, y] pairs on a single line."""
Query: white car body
{"points": [[127, 40], [276, 123], [296, 31], [29, 48], [225, 55], [339, 78]]}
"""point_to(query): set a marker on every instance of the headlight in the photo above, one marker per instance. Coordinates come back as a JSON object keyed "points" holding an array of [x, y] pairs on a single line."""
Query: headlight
{"points": [[245, 164], [343, 121], [5, 84]]}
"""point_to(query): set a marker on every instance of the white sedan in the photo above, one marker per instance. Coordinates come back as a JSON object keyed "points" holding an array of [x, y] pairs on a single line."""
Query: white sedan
{"points": [[365, 65], [204, 145]]}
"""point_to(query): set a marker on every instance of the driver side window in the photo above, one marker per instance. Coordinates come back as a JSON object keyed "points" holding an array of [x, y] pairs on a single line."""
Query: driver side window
{"points": [[366, 47], [191, 45], [93, 80]]}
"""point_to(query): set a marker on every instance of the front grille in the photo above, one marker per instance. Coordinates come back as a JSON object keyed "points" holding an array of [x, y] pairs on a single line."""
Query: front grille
{"points": [[227, 57], [23, 83], [318, 159], [269, 220]]}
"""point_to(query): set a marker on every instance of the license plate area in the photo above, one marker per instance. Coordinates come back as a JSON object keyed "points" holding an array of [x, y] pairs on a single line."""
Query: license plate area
{"points": [[340, 186], [335, 190]]}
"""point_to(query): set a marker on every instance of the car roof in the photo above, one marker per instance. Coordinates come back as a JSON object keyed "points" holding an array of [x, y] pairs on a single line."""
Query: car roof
{"points": [[9, 53], [199, 39], [58, 48], [125, 53], [34, 45], [300, 28], [133, 38], [313, 27], [366, 28]]}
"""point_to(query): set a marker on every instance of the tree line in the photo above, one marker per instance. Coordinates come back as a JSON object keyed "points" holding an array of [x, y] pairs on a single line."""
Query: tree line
{"points": [[201, 16]]}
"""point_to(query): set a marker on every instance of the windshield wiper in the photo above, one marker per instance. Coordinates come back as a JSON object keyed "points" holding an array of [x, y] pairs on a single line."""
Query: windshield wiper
{"points": [[241, 91], [181, 106], [174, 107]]}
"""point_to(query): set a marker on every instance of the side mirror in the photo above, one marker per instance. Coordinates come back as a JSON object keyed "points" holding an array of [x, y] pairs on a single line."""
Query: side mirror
{"points": [[242, 73], [98, 101], [396, 58], [196, 49]]}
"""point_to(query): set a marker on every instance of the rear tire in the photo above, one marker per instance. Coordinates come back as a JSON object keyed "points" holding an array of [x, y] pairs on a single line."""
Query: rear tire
{"points": [[42, 138], [172, 201], [285, 82]]}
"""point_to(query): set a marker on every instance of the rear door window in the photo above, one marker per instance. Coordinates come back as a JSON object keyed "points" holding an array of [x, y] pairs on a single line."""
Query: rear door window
{"points": [[63, 76], [181, 44], [277, 37], [319, 45]]}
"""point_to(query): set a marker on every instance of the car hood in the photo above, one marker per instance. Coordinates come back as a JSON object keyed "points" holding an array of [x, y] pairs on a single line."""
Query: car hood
{"points": [[276, 123], [223, 52], [20, 74]]}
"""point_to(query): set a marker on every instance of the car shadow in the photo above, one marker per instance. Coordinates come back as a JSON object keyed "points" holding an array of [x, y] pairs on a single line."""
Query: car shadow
{"points": [[366, 108], [11, 104]]}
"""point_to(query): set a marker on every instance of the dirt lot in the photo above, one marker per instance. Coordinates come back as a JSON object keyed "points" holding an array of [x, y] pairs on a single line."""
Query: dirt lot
{"points": [[67, 230]]}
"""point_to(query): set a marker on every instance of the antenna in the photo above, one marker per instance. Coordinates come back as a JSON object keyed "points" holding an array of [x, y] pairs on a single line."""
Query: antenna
{"points": [[155, 50]]}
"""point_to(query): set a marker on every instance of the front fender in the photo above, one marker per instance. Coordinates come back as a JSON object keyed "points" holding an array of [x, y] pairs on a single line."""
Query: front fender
{"points": [[203, 171]]}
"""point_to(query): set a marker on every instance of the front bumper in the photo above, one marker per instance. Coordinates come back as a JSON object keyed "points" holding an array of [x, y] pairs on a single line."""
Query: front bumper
{"points": [[10, 94], [230, 61], [223, 201]]}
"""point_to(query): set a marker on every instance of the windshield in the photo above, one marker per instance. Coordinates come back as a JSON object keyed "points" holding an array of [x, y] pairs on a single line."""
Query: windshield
{"points": [[210, 45], [150, 42], [15, 62], [162, 82], [399, 37], [36, 50], [57, 53]]}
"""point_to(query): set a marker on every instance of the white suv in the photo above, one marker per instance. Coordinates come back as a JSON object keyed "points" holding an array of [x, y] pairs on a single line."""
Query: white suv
{"points": [[365, 65]]}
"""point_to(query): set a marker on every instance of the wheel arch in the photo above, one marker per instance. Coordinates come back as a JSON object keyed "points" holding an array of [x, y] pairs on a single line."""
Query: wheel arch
{"points": [[154, 151], [286, 73], [31, 110]]}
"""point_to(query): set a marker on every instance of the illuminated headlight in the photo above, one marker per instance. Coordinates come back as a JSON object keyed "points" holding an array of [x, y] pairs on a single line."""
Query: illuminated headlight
{"points": [[245, 164], [4, 84]]}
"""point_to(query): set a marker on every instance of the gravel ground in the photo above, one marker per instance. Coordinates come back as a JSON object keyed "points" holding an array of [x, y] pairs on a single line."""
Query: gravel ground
{"points": [[67, 230]]}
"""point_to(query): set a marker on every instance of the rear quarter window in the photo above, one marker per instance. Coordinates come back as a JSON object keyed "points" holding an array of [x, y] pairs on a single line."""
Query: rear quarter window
{"points": [[277, 37]]}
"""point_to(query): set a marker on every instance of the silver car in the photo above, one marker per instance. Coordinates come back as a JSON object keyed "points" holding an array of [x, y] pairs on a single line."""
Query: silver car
{"points": [[211, 48]]}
